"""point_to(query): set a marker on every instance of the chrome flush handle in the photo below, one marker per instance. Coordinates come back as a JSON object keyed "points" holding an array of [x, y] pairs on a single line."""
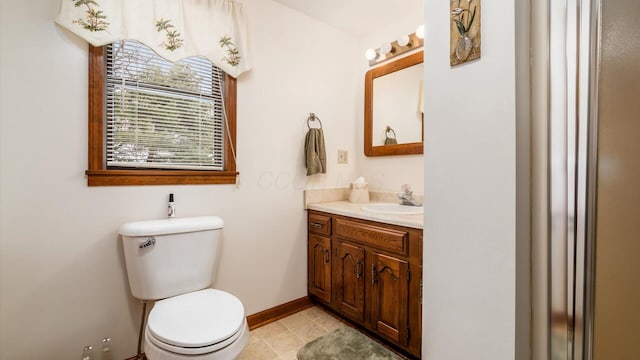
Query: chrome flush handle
{"points": [[150, 242]]}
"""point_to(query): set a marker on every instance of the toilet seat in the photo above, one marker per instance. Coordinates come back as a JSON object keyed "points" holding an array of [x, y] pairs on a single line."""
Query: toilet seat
{"points": [[197, 350], [196, 323]]}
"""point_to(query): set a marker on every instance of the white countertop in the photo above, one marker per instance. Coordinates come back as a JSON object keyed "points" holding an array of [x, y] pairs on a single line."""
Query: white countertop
{"points": [[347, 208]]}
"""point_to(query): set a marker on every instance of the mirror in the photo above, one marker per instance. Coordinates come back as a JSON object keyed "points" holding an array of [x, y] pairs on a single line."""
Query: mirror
{"points": [[393, 116]]}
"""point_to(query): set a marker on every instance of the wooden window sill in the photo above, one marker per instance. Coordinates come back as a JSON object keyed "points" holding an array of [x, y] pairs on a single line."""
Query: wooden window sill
{"points": [[158, 177]]}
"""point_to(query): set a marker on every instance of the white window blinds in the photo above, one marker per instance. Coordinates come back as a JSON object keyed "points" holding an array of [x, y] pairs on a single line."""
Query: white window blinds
{"points": [[162, 114]]}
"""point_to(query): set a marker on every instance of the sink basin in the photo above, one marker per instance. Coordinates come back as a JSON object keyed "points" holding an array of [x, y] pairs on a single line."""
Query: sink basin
{"points": [[391, 208]]}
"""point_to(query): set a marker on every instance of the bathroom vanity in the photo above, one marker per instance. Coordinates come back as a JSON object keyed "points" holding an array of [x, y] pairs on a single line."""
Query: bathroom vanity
{"points": [[368, 271]]}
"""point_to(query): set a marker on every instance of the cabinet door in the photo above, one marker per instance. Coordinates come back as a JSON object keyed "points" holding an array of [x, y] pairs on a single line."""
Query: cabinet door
{"points": [[390, 297], [320, 267], [349, 275]]}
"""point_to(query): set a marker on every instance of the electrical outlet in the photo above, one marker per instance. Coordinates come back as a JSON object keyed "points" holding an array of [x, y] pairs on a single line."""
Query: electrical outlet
{"points": [[343, 156]]}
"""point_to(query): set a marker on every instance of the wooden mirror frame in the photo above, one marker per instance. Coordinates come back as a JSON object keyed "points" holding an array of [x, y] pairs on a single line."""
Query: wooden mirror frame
{"points": [[395, 149]]}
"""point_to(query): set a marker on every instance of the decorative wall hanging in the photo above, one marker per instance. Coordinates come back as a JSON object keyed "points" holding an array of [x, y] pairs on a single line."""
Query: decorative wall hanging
{"points": [[174, 29], [465, 31]]}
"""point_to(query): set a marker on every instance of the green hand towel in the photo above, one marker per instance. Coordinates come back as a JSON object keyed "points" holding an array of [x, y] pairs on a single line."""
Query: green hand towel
{"points": [[315, 155]]}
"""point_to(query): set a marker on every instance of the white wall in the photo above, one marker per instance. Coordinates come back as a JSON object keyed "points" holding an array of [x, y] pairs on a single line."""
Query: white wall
{"points": [[387, 172], [470, 194], [62, 277]]}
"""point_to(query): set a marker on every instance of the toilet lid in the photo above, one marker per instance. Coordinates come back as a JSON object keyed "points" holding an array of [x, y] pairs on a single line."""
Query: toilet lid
{"points": [[196, 319]]}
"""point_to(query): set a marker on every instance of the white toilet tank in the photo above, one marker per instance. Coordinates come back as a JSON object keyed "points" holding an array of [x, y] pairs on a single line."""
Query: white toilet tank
{"points": [[169, 257]]}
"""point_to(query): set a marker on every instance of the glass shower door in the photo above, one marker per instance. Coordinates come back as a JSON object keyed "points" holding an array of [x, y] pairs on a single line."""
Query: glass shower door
{"points": [[594, 179]]}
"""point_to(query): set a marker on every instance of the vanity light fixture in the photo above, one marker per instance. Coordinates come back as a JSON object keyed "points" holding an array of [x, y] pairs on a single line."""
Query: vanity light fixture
{"points": [[370, 54], [403, 40], [386, 48], [420, 32], [400, 46]]}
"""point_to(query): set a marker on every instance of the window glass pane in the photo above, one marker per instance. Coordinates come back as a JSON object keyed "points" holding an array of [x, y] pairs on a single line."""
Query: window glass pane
{"points": [[162, 114]]}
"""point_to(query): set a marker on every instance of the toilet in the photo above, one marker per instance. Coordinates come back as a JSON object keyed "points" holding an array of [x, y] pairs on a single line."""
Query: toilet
{"points": [[173, 261]]}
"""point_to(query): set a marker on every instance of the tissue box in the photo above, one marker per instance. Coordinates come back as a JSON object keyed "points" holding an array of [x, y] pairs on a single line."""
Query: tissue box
{"points": [[359, 195]]}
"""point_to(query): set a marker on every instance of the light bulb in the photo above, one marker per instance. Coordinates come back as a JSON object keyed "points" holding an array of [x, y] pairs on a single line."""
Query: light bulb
{"points": [[386, 48], [370, 54], [420, 32], [403, 40]]}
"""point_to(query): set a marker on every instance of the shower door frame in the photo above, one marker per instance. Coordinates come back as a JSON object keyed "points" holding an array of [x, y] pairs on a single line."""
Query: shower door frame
{"points": [[574, 41]]}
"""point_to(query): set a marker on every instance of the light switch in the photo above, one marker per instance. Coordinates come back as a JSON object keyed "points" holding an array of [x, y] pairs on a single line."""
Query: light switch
{"points": [[343, 156]]}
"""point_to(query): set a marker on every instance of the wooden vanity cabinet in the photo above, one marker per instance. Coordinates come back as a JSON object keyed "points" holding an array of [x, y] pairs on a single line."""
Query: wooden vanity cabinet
{"points": [[320, 267], [319, 258], [349, 267], [373, 278], [390, 297]]}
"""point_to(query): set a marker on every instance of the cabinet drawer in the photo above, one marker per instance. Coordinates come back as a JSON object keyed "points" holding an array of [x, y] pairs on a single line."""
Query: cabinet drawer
{"points": [[393, 240], [320, 224]]}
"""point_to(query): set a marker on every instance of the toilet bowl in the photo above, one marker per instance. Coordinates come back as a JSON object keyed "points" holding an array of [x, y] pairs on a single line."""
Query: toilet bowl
{"points": [[173, 261], [206, 324]]}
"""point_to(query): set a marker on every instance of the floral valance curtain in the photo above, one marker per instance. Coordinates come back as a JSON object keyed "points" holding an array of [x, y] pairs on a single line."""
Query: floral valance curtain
{"points": [[175, 29]]}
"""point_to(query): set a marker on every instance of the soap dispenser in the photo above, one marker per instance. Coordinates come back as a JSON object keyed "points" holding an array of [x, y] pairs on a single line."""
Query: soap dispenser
{"points": [[172, 207]]}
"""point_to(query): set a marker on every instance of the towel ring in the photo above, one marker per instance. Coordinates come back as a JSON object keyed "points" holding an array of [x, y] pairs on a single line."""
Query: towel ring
{"points": [[390, 140], [313, 117]]}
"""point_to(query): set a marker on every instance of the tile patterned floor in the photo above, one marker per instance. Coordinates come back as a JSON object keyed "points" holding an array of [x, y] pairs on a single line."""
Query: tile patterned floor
{"points": [[282, 339]]}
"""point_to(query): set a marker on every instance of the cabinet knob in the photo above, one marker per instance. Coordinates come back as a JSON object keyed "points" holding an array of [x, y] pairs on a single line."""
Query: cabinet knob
{"points": [[359, 270]]}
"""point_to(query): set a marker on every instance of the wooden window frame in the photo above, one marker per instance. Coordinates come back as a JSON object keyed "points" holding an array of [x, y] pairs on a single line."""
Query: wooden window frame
{"points": [[99, 175]]}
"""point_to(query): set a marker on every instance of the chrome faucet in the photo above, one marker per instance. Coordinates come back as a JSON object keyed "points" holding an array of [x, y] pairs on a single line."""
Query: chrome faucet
{"points": [[406, 196]]}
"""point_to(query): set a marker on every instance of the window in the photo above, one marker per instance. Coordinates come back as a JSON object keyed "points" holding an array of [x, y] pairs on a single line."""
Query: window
{"points": [[153, 122]]}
